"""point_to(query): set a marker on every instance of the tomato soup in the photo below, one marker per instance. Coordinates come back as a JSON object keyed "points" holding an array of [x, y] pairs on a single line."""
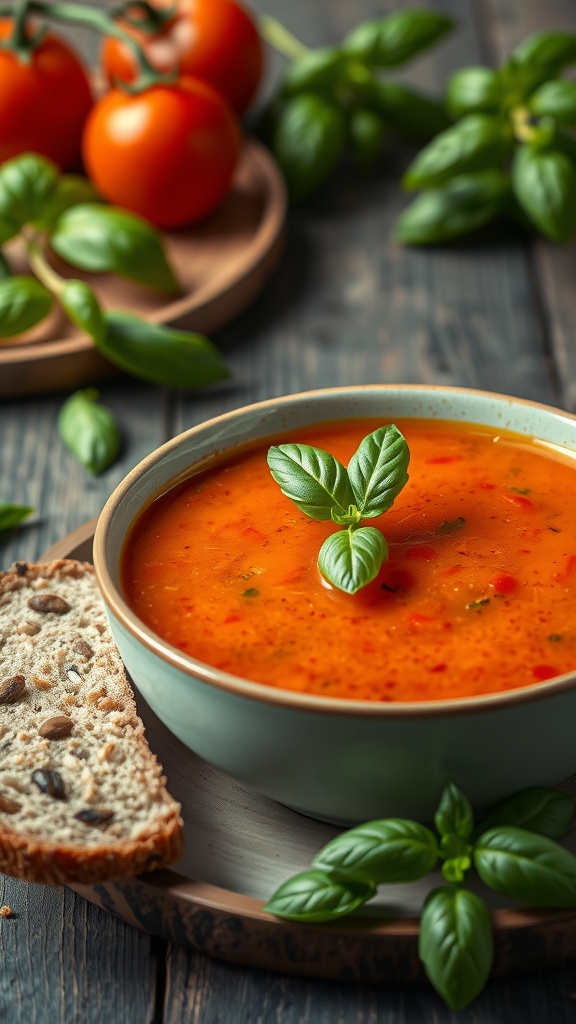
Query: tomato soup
{"points": [[478, 595]]}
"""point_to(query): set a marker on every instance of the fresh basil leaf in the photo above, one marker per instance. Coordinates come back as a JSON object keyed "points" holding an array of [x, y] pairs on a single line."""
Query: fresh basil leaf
{"points": [[315, 896], [540, 809], [455, 944], [528, 867], [24, 302], [390, 850], [555, 99], [350, 518], [464, 204], [546, 53], [5, 268], [472, 90], [352, 558], [390, 41], [366, 132], [544, 184], [81, 305], [378, 470], [454, 816], [475, 143], [71, 190], [89, 430], [454, 869], [103, 238], [26, 183], [160, 354], [408, 112], [12, 515], [307, 143], [313, 479], [316, 70]]}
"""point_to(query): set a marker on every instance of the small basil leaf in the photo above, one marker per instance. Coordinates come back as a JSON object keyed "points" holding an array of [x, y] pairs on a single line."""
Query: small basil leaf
{"points": [[546, 53], [313, 479], [408, 112], [454, 816], [390, 850], [89, 430], [476, 142], [102, 238], [378, 470], [528, 867], [464, 204], [317, 70], [544, 184], [350, 518], [71, 190], [81, 305], [26, 183], [159, 354], [352, 558], [555, 99], [455, 868], [394, 40], [455, 944], [540, 809], [24, 302], [473, 89], [12, 515], [315, 896], [366, 131], [307, 143]]}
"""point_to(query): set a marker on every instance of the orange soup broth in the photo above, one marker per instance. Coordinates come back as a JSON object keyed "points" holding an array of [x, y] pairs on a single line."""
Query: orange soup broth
{"points": [[478, 595]]}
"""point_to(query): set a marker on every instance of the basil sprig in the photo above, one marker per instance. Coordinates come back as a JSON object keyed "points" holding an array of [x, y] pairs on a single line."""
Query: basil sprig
{"points": [[322, 488], [509, 152], [455, 941]]}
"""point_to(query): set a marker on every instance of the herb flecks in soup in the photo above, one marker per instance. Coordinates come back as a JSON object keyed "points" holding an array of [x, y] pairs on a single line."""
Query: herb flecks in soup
{"points": [[477, 596]]}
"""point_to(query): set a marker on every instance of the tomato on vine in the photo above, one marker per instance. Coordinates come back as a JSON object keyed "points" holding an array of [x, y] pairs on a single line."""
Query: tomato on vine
{"points": [[215, 40]]}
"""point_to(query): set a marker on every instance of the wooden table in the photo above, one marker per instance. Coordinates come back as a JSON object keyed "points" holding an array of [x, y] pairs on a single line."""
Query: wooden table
{"points": [[347, 306]]}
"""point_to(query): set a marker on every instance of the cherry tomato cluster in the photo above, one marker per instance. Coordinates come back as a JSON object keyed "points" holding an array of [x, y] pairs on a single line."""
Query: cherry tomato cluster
{"points": [[168, 151]]}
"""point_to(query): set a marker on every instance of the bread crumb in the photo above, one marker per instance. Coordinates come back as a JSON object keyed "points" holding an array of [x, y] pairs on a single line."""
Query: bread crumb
{"points": [[6, 912]]}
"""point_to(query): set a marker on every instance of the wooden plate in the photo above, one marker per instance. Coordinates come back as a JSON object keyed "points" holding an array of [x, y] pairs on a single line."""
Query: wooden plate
{"points": [[240, 846], [222, 264]]}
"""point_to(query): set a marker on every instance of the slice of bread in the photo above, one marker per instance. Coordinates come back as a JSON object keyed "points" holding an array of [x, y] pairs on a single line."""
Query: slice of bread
{"points": [[82, 798]]}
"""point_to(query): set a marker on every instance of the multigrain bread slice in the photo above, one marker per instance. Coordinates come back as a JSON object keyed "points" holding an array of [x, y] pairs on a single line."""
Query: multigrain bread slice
{"points": [[82, 798]]}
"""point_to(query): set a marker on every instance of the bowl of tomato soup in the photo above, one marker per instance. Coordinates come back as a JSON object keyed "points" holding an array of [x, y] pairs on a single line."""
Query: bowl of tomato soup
{"points": [[457, 662]]}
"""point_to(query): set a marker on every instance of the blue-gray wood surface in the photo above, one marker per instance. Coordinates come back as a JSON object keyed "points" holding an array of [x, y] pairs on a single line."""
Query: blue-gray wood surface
{"points": [[347, 306]]}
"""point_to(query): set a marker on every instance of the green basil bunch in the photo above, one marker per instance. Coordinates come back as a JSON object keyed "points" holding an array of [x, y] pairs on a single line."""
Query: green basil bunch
{"points": [[513, 851], [333, 99], [511, 150]]}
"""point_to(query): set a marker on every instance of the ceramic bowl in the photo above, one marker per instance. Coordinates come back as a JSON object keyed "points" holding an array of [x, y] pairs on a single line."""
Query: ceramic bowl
{"points": [[340, 760]]}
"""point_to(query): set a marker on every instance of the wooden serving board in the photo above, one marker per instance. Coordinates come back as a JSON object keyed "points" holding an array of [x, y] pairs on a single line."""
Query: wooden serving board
{"points": [[240, 846], [222, 264]]}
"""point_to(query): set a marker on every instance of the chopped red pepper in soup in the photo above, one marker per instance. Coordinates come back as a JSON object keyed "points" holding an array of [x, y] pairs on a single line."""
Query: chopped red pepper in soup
{"points": [[478, 595]]}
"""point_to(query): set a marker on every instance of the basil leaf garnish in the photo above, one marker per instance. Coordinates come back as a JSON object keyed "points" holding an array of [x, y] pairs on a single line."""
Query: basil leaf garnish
{"points": [[544, 184], [81, 305], [352, 558], [540, 809], [24, 302], [528, 867], [454, 816], [455, 944], [378, 470], [391, 850], [12, 515], [313, 479], [89, 430], [316, 896], [388, 42]]}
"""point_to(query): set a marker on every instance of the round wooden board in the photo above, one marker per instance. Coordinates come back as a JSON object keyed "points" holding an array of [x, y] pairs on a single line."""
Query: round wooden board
{"points": [[240, 846], [222, 264]]}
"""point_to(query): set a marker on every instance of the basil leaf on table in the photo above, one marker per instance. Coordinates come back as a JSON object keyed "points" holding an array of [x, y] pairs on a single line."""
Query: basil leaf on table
{"points": [[103, 238], [160, 354], [408, 112], [81, 305], [26, 183], [473, 90], [70, 190], [465, 203], [315, 896], [546, 53], [475, 143], [352, 558], [378, 470], [317, 70], [539, 809], [455, 944], [528, 867], [366, 132], [387, 42], [24, 302], [307, 142], [454, 816], [544, 183], [391, 850], [89, 430], [313, 479], [555, 99], [12, 515]]}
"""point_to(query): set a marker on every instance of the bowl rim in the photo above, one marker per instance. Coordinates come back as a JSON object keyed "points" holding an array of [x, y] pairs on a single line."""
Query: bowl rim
{"points": [[261, 692]]}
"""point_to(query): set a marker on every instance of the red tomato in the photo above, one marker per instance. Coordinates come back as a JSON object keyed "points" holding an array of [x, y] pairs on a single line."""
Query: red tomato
{"points": [[43, 104], [215, 40], [168, 153]]}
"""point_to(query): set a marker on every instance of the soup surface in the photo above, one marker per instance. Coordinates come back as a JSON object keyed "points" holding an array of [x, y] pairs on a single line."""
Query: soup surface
{"points": [[478, 594]]}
